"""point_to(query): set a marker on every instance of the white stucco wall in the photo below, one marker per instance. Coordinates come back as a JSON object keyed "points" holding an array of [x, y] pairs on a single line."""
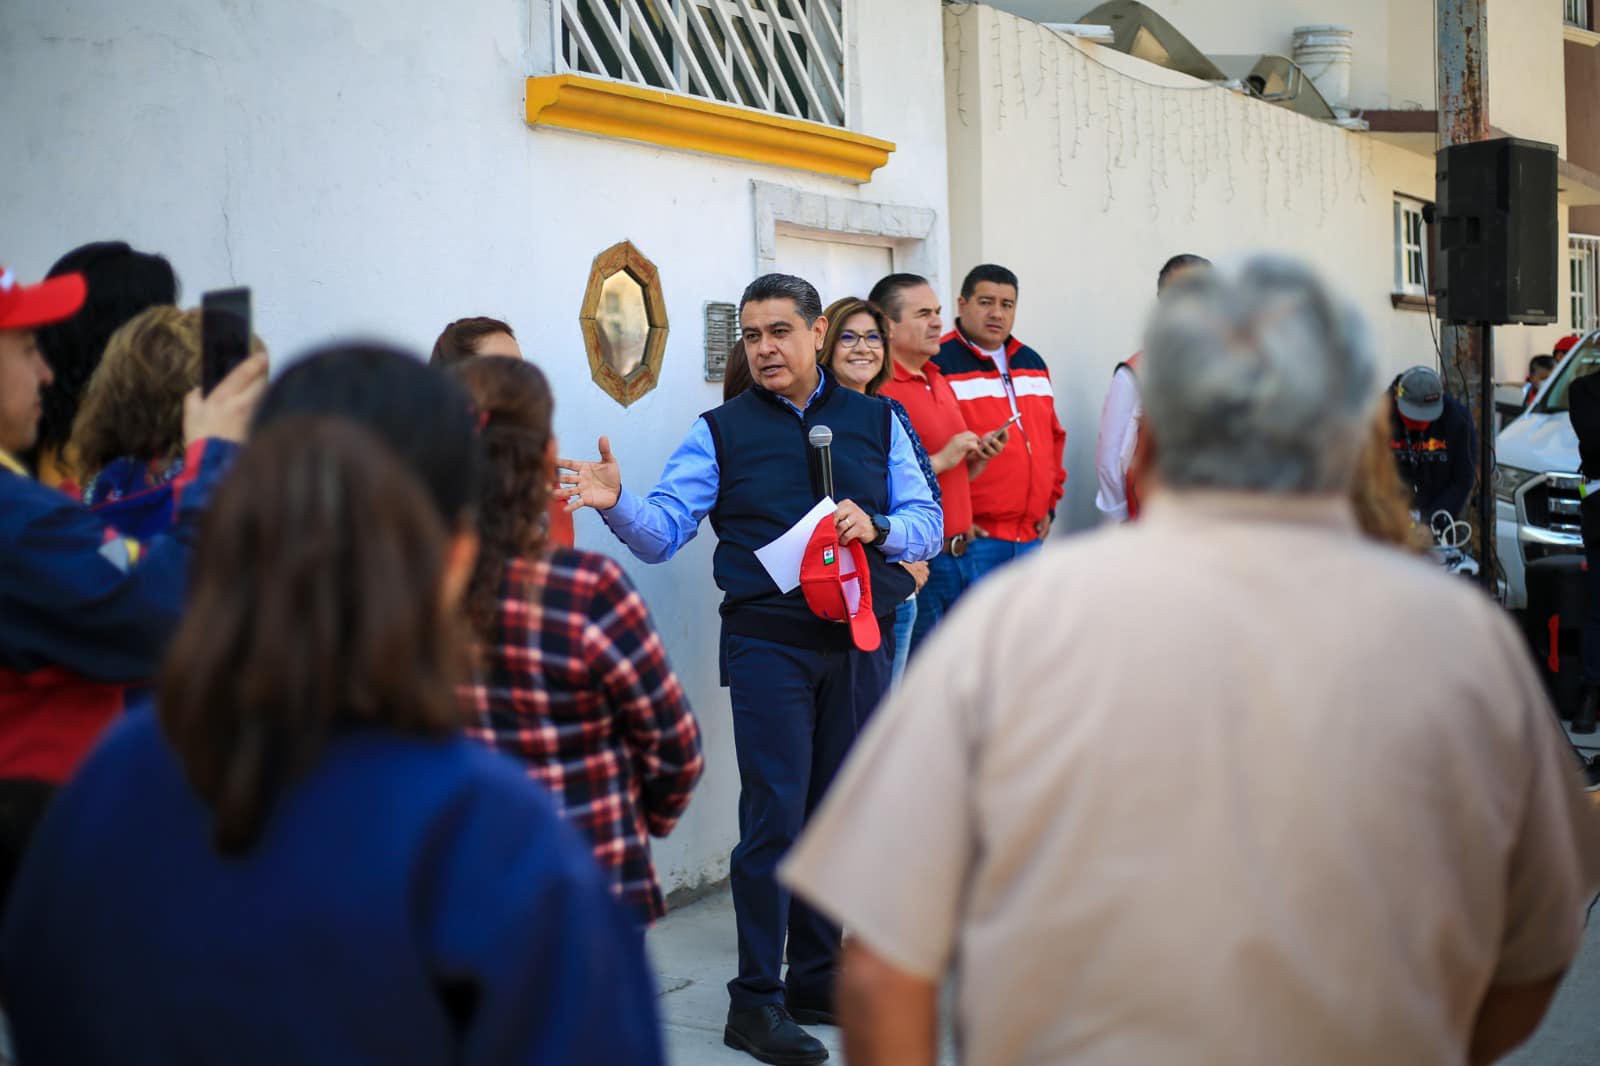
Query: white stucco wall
{"points": [[366, 169], [1096, 167], [1527, 70]]}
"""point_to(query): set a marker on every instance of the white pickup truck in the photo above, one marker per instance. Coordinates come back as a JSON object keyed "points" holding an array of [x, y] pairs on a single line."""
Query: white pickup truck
{"points": [[1536, 476]]}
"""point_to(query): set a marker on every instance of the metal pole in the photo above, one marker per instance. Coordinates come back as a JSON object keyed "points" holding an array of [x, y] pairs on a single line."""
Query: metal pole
{"points": [[1488, 572], [1464, 118]]}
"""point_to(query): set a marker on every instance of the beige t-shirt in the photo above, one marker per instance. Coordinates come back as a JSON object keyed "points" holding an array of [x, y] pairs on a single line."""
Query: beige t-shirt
{"points": [[1232, 785]]}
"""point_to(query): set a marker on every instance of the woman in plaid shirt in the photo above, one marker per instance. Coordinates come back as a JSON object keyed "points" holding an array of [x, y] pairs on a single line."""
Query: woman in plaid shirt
{"points": [[572, 677]]}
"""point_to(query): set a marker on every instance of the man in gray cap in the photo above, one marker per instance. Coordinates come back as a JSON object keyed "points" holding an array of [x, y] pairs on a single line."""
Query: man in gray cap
{"points": [[1433, 441]]}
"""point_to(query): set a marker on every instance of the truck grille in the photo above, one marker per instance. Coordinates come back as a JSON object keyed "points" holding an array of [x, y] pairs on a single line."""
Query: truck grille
{"points": [[1554, 504]]}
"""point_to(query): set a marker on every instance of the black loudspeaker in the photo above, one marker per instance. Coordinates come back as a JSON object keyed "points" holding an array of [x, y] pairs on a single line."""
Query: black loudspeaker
{"points": [[1499, 242]]}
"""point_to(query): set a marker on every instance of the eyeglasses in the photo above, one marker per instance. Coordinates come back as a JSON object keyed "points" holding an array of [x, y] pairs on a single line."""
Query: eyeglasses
{"points": [[851, 339]]}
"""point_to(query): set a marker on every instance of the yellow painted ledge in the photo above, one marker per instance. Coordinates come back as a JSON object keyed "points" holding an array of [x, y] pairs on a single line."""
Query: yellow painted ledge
{"points": [[672, 120]]}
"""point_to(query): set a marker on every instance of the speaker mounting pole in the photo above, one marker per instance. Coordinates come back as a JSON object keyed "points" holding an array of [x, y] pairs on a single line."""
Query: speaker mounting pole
{"points": [[1488, 571], [1463, 118]]}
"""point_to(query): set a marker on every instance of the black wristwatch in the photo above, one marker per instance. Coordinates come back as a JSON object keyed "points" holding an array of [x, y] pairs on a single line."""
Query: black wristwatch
{"points": [[881, 524]]}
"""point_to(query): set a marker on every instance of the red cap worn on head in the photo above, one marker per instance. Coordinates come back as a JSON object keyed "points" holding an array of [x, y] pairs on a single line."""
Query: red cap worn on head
{"points": [[1567, 343], [28, 306], [838, 586]]}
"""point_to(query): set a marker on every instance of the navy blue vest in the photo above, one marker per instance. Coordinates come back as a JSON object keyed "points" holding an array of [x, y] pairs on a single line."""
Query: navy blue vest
{"points": [[767, 481]]}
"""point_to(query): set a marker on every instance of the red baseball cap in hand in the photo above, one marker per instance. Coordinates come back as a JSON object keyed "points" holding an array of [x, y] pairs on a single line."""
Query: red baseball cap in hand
{"points": [[838, 585], [28, 306]]}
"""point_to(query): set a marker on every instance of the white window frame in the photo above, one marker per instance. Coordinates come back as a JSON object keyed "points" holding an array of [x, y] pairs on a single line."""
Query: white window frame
{"points": [[1410, 247], [1576, 13], [749, 76], [1583, 265]]}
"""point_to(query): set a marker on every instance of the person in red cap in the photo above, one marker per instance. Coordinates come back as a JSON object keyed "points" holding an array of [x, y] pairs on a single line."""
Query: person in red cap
{"points": [[86, 612]]}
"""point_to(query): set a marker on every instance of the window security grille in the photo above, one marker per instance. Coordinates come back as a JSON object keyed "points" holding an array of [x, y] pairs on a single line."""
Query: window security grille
{"points": [[786, 57], [1583, 255]]}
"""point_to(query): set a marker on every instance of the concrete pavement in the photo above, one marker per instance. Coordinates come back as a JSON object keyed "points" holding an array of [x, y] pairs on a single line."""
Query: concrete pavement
{"points": [[1570, 1035], [694, 953]]}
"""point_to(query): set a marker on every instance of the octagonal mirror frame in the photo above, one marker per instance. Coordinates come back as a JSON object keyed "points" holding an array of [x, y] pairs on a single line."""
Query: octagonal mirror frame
{"points": [[625, 258]]}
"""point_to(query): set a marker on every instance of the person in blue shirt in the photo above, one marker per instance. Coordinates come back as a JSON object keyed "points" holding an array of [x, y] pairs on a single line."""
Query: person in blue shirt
{"points": [[799, 687], [299, 857]]}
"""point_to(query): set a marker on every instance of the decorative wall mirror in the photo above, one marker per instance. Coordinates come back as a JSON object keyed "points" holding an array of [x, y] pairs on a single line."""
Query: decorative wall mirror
{"points": [[624, 321]]}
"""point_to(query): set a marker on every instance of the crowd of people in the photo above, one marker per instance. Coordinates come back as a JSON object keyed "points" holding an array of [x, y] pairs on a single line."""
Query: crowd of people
{"points": [[321, 742]]}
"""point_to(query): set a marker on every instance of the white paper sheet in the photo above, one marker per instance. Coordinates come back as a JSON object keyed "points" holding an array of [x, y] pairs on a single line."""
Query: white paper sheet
{"points": [[782, 557]]}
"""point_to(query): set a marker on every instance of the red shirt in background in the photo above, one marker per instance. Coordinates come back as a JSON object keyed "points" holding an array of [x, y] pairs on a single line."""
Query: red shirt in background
{"points": [[936, 416]]}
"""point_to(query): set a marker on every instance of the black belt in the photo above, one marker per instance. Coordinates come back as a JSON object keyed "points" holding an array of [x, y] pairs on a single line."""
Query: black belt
{"points": [[956, 546]]}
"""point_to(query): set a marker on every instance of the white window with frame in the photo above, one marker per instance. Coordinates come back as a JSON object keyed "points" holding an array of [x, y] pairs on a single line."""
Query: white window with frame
{"points": [[784, 57], [1583, 259], [1576, 13], [1410, 248]]}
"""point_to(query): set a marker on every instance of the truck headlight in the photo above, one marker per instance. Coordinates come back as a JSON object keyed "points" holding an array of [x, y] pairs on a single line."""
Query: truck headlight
{"points": [[1508, 479]]}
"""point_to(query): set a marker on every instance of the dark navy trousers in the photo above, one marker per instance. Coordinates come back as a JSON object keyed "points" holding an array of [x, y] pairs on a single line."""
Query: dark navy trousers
{"points": [[795, 714]]}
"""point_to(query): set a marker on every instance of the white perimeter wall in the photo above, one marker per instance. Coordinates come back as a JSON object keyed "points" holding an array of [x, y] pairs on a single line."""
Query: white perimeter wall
{"points": [[1083, 170], [366, 169]]}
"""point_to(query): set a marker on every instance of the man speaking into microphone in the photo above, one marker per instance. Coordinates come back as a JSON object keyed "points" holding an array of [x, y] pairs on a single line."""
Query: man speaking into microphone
{"points": [[801, 684]]}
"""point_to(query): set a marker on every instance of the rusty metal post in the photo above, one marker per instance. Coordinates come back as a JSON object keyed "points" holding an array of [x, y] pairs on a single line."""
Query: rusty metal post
{"points": [[1463, 118]]}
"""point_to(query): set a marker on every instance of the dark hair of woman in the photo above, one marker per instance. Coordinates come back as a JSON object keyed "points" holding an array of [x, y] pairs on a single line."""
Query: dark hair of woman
{"points": [[459, 340], [514, 408], [314, 604], [121, 283], [736, 376], [843, 310], [421, 414]]}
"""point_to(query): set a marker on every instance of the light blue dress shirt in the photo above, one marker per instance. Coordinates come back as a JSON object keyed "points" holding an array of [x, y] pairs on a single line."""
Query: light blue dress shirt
{"points": [[657, 524]]}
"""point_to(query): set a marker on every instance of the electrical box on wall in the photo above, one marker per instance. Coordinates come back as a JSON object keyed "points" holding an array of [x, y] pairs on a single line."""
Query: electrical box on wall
{"points": [[722, 330]]}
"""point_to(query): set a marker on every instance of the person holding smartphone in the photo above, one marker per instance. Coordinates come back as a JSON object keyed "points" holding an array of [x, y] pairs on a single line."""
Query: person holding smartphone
{"points": [[997, 377], [88, 611], [957, 453]]}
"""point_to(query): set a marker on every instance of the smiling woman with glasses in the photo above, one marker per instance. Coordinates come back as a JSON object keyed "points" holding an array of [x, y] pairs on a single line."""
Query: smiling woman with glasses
{"points": [[854, 351]]}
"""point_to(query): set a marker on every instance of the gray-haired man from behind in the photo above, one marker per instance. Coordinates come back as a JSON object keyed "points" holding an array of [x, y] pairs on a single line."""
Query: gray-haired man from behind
{"points": [[1230, 785]]}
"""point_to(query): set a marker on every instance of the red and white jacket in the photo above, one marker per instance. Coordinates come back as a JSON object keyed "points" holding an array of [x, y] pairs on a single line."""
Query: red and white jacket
{"points": [[1024, 482]]}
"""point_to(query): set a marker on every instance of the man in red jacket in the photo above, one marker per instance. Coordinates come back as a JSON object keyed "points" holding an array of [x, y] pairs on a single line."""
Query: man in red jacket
{"points": [[999, 381]]}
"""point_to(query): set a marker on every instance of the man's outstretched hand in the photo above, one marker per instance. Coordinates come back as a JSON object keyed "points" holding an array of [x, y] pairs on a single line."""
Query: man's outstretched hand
{"points": [[585, 484]]}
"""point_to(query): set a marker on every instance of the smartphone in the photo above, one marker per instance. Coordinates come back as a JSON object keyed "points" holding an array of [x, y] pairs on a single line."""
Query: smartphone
{"points": [[224, 334], [1007, 423]]}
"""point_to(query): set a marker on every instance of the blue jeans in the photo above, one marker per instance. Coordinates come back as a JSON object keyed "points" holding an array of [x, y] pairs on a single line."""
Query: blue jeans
{"points": [[905, 616], [948, 578], [796, 712], [988, 554]]}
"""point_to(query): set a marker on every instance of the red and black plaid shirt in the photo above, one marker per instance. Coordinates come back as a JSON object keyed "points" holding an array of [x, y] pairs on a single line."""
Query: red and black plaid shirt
{"points": [[576, 684]]}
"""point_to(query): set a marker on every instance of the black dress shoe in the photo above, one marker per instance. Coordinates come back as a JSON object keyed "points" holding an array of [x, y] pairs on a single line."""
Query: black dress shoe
{"points": [[811, 1010], [770, 1035]]}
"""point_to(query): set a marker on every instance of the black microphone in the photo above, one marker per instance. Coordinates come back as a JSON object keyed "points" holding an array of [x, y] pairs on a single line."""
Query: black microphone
{"points": [[821, 438]]}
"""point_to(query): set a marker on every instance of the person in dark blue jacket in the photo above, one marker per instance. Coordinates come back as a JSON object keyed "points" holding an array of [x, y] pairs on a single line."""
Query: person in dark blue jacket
{"points": [[299, 858], [84, 611], [800, 686], [1434, 443]]}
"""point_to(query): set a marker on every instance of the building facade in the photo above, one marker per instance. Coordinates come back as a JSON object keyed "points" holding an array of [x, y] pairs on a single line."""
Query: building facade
{"points": [[373, 170], [1084, 168], [381, 170]]}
